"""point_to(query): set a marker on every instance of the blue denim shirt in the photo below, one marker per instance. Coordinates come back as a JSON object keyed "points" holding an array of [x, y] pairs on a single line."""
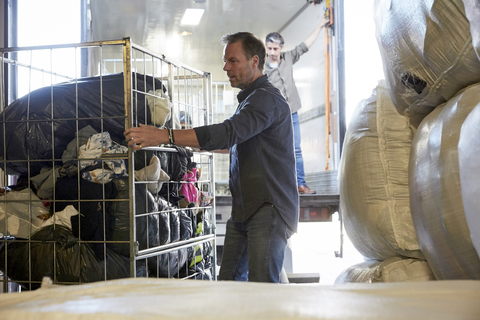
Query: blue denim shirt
{"points": [[259, 137]]}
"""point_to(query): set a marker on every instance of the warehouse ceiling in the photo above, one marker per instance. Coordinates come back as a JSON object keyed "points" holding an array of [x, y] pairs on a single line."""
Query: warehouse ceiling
{"points": [[155, 25]]}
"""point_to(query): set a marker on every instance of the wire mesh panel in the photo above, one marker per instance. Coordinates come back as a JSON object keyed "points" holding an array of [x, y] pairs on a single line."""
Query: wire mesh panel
{"points": [[77, 205], [224, 104]]}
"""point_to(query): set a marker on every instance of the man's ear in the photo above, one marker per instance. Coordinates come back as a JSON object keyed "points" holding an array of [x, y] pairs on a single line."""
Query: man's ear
{"points": [[255, 61]]}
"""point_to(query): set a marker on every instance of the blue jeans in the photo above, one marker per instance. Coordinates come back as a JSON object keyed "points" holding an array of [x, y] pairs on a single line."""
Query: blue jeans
{"points": [[298, 150], [254, 250]]}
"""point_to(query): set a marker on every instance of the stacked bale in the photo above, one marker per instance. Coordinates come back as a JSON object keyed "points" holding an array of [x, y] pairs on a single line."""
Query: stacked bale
{"points": [[430, 52], [391, 270], [472, 10], [374, 192], [374, 180], [469, 166], [427, 53], [435, 191]]}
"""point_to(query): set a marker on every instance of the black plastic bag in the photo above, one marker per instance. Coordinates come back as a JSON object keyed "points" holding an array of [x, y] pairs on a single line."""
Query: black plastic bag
{"points": [[186, 230], [95, 216], [177, 167], [63, 106], [164, 222], [144, 202], [56, 253]]}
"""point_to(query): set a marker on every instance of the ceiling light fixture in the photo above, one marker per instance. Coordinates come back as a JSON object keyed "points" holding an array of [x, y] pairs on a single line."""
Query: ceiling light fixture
{"points": [[184, 33], [192, 16]]}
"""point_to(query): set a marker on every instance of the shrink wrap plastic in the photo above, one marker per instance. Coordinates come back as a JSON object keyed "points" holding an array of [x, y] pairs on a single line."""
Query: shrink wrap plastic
{"points": [[472, 9], [435, 192], [427, 53], [374, 196], [391, 270], [469, 164]]}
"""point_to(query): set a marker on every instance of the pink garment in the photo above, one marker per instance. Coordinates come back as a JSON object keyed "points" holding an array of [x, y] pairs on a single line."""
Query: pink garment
{"points": [[188, 189]]}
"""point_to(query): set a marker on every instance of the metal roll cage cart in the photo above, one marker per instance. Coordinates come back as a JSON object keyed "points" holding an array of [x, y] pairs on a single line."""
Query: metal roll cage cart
{"points": [[143, 224]]}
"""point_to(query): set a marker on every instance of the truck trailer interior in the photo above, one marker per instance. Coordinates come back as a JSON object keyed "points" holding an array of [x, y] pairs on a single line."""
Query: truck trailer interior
{"points": [[388, 123]]}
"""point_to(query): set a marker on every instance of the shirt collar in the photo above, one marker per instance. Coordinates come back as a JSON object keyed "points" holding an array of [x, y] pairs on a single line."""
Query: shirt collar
{"points": [[272, 65], [242, 95]]}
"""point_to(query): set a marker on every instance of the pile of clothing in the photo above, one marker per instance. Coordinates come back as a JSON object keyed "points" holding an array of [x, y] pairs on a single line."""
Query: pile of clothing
{"points": [[75, 212]]}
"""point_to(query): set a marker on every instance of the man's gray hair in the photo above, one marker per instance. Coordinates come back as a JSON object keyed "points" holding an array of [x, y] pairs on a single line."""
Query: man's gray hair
{"points": [[276, 38]]}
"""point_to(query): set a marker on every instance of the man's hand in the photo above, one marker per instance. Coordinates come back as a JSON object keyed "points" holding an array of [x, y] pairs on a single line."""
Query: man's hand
{"points": [[149, 136], [145, 136], [324, 20], [313, 36]]}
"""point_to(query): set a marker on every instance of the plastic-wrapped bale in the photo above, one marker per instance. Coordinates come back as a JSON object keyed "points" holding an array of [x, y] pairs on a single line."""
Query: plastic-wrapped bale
{"points": [[86, 99], [374, 196], [427, 52], [469, 166], [435, 192], [395, 269], [56, 253], [472, 9]]}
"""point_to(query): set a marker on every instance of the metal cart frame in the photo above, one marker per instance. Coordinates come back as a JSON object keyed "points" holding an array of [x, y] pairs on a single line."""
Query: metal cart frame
{"points": [[189, 92]]}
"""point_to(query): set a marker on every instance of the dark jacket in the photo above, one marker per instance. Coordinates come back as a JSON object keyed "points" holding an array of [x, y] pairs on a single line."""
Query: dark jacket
{"points": [[259, 137]]}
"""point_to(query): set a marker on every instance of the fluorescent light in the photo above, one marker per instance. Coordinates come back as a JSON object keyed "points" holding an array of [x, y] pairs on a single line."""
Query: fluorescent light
{"points": [[192, 16]]}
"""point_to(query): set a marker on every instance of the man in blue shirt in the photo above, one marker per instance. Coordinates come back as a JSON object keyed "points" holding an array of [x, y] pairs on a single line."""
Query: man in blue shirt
{"points": [[259, 137]]}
